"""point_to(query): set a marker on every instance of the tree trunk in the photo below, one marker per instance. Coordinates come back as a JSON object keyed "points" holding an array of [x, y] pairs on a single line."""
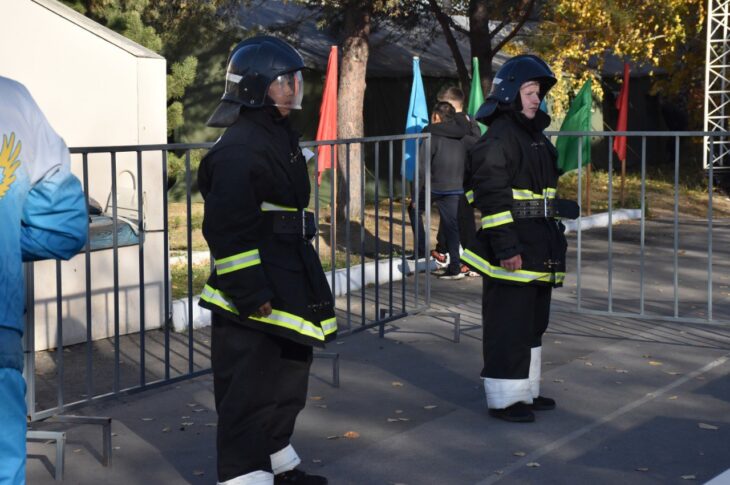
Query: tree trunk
{"points": [[480, 41], [355, 51], [443, 20]]}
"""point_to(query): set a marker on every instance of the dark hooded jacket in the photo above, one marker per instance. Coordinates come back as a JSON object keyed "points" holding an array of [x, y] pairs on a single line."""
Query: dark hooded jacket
{"points": [[513, 162], [448, 154]]}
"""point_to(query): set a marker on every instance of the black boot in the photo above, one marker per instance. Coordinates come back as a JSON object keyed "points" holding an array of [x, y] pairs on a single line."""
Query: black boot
{"points": [[541, 403], [299, 477], [517, 413]]}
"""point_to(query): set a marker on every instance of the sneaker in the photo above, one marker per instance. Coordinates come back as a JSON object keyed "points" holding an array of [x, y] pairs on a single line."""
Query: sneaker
{"points": [[440, 258], [299, 477], [517, 413], [467, 272], [541, 403], [449, 275]]}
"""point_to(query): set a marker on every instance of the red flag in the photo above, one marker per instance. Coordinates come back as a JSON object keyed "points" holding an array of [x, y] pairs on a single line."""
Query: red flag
{"points": [[622, 105], [327, 129]]}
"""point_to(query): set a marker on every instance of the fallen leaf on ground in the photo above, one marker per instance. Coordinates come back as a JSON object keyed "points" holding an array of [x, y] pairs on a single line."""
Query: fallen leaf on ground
{"points": [[77, 450], [166, 429], [396, 384], [323, 406], [672, 398], [519, 453], [403, 419], [689, 477], [589, 363], [333, 437], [654, 362], [622, 371], [315, 398], [148, 419], [533, 464], [707, 426], [430, 406], [392, 420], [187, 423], [351, 435], [398, 411]]}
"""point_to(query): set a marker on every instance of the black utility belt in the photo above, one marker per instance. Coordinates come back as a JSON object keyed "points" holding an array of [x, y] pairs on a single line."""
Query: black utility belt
{"points": [[298, 222], [531, 209]]}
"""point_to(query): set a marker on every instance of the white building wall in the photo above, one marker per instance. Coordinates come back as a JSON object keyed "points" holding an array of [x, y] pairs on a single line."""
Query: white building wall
{"points": [[96, 88]]}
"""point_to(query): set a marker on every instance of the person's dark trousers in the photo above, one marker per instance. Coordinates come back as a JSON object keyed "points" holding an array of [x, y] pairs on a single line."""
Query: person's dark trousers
{"points": [[467, 226], [260, 385], [416, 218], [448, 206], [514, 318]]}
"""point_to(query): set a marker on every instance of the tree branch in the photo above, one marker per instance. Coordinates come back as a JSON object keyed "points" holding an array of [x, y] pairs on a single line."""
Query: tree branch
{"points": [[524, 14], [444, 20]]}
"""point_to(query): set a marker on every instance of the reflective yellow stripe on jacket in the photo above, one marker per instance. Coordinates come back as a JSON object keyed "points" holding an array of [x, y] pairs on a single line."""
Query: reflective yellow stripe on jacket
{"points": [[519, 275], [237, 261], [469, 196], [270, 206], [526, 194], [498, 219], [277, 317]]}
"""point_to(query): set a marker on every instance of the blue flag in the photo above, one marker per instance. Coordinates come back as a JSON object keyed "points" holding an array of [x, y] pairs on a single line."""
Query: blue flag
{"points": [[416, 121]]}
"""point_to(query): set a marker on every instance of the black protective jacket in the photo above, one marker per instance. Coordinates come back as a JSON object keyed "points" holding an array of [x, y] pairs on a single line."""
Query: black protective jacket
{"points": [[254, 174], [515, 162]]}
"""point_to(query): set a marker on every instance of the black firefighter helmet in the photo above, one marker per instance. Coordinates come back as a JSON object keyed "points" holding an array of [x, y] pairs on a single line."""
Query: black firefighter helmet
{"points": [[253, 65], [506, 84]]}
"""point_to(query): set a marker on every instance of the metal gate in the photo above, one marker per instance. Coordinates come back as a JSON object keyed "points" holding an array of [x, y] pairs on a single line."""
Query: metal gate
{"points": [[661, 265]]}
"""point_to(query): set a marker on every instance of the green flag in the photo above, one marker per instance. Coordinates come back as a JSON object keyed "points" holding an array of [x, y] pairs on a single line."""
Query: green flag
{"points": [[577, 119], [476, 97]]}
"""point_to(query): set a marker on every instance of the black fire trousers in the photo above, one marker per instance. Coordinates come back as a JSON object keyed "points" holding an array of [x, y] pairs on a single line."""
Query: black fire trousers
{"points": [[514, 318], [260, 383]]}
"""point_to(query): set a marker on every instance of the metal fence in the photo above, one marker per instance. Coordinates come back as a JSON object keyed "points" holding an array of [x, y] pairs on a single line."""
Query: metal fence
{"points": [[105, 318], [671, 265]]}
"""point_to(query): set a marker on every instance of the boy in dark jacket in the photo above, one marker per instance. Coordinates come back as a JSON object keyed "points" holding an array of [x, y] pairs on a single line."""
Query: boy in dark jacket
{"points": [[448, 153]]}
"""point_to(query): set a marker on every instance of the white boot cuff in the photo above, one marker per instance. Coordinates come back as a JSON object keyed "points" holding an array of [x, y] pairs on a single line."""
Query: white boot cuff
{"points": [[259, 477], [502, 393], [284, 460], [535, 370]]}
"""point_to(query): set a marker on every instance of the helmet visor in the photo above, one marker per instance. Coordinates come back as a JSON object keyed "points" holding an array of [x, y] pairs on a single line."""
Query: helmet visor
{"points": [[287, 90]]}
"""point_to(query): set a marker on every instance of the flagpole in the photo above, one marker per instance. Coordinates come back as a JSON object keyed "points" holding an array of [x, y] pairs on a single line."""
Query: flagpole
{"points": [[623, 177], [588, 189]]}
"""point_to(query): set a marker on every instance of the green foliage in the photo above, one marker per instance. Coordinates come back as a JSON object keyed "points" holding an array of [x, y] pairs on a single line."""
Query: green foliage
{"points": [[181, 30], [181, 76], [175, 117]]}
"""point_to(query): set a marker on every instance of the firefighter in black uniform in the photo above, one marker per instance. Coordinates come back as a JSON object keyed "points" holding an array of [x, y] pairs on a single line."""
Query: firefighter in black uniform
{"points": [[268, 293], [520, 248]]}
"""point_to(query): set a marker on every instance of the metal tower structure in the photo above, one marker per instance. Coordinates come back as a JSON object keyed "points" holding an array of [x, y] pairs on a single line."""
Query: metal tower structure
{"points": [[717, 83]]}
